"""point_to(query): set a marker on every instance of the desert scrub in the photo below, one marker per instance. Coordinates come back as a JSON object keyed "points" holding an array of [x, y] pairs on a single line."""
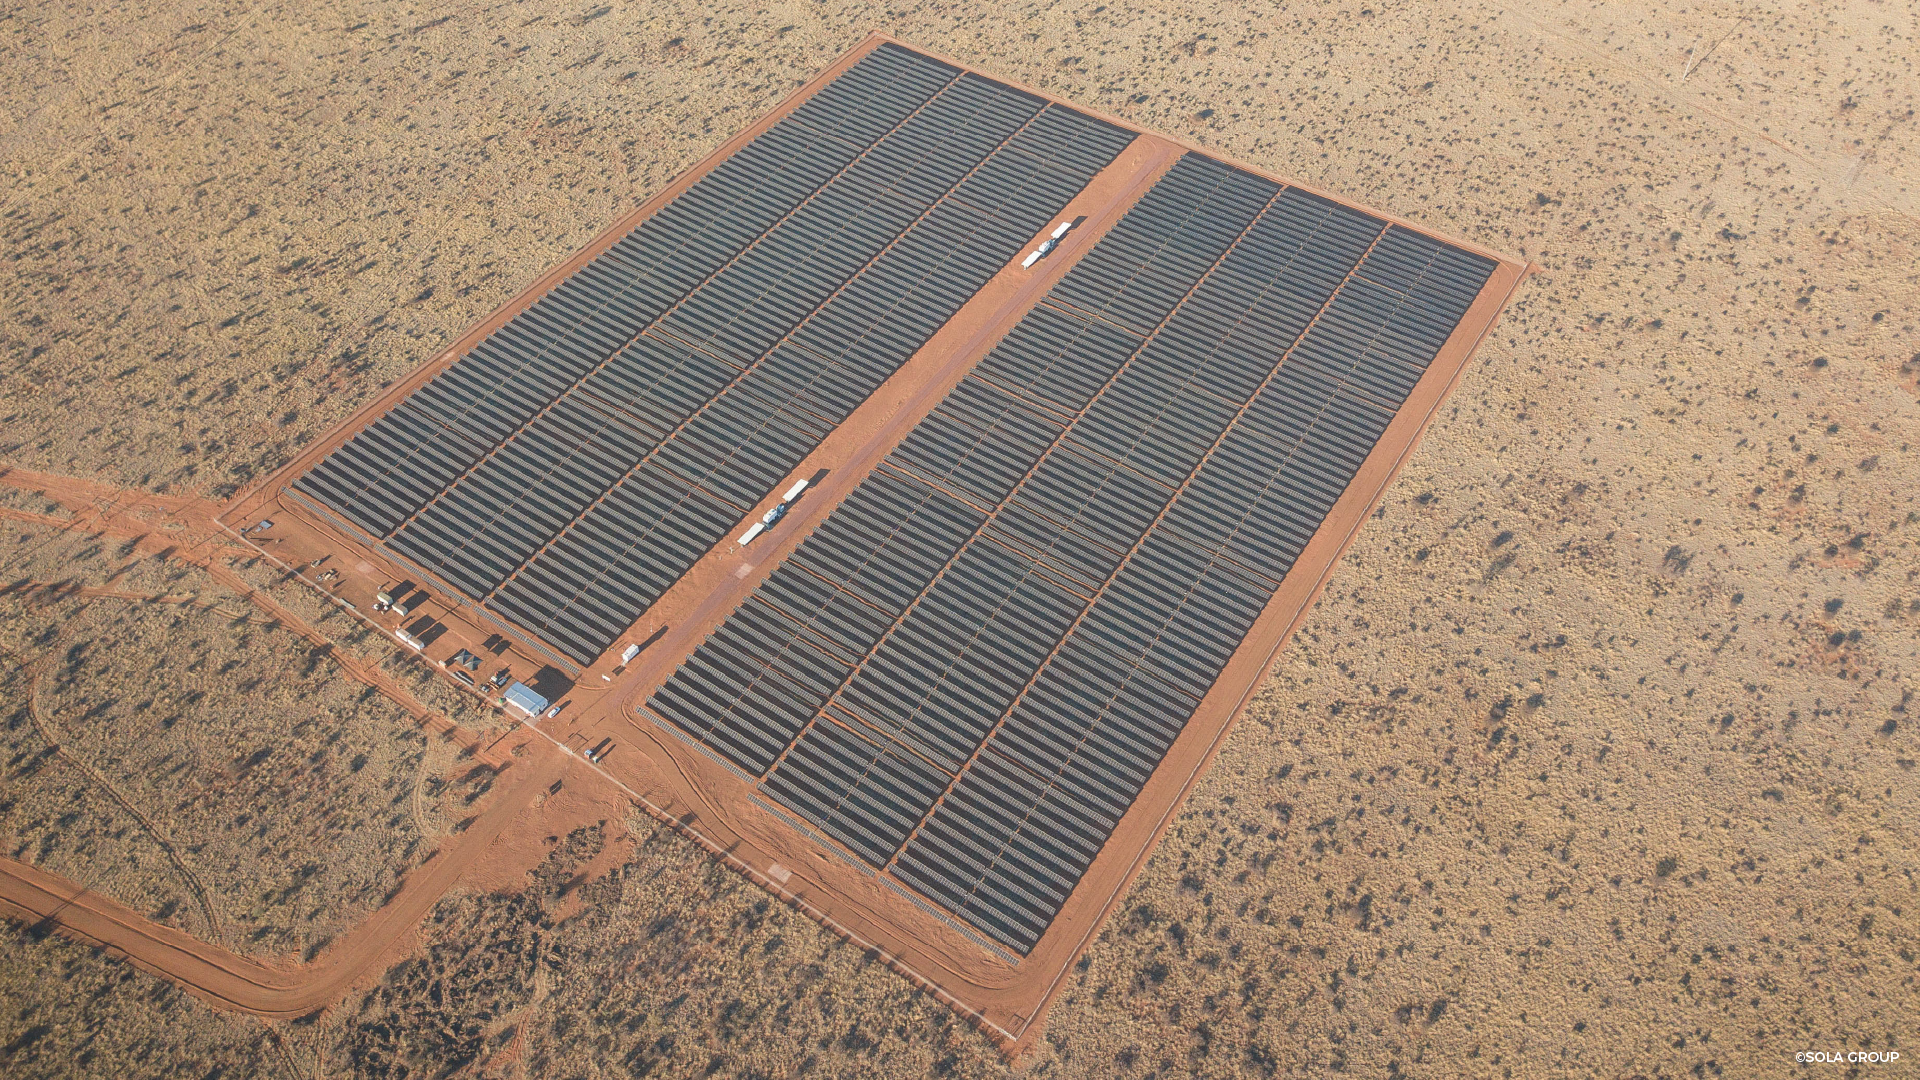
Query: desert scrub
{"points": [[277, 791]]}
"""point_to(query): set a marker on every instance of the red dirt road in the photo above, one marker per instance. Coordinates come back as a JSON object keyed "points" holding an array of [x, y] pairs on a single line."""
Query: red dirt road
{"points": [[235, 982], [183, 528]]}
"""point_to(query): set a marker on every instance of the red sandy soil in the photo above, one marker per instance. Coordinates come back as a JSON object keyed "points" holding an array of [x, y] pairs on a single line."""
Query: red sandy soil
{"points": [[653, 767]]}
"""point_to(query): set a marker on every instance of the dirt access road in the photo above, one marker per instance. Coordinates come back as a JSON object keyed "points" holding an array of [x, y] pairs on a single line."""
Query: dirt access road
{"points": [[182, 529], [235, 982]]}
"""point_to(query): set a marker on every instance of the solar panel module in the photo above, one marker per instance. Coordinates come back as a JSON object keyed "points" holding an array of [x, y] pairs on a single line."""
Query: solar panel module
{"points": [[924, 482]]}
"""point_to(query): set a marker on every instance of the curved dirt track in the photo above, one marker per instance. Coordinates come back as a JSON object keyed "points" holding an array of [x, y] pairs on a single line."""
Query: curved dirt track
{"points": [[181, 528], [230, 981]]}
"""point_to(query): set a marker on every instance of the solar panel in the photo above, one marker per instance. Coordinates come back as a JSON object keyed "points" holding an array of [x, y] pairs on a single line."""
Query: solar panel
{"points": [[967, 672], [571, 467]]}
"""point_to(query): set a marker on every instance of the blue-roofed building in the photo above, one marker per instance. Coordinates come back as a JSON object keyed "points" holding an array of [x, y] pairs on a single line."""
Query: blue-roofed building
{"points": [[521, 696]]}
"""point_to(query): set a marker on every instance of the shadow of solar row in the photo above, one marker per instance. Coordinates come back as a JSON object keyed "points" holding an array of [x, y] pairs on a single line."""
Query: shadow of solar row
{"points": [[652, 417], [392, 467], [1144, 455]]}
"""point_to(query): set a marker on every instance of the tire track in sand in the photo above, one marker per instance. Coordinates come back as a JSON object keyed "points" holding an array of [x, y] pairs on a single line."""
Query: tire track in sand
{"points": [[227, 980]]}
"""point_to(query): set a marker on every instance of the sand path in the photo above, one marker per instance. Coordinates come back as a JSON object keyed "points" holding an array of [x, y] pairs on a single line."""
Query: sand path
{"points": [[182, 528], [231, 981]]}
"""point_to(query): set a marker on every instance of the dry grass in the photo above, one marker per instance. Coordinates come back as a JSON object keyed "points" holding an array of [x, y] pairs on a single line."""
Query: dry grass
{"points": [[1575, 770], [378, 649], [73, 1012], [669, 966], [198, 761]]}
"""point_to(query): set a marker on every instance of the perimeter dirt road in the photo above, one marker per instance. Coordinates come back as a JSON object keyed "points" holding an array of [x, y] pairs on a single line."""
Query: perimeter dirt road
{"points": [[246, 985], [1595, 759]]}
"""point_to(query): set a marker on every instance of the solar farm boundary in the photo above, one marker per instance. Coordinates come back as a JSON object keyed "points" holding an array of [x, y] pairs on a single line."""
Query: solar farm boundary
{"points": [[1126, 851], [1008, 1001]]}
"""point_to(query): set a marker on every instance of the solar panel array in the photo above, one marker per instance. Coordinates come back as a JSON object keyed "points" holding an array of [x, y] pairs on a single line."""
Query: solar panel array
{"points": [[570, 468], [968, 671]]}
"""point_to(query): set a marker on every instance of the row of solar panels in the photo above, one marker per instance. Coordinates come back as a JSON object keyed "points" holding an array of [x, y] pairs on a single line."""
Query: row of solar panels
{"points": [[1013, 836], [572, 467], [390, 469], [969, 669]]}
